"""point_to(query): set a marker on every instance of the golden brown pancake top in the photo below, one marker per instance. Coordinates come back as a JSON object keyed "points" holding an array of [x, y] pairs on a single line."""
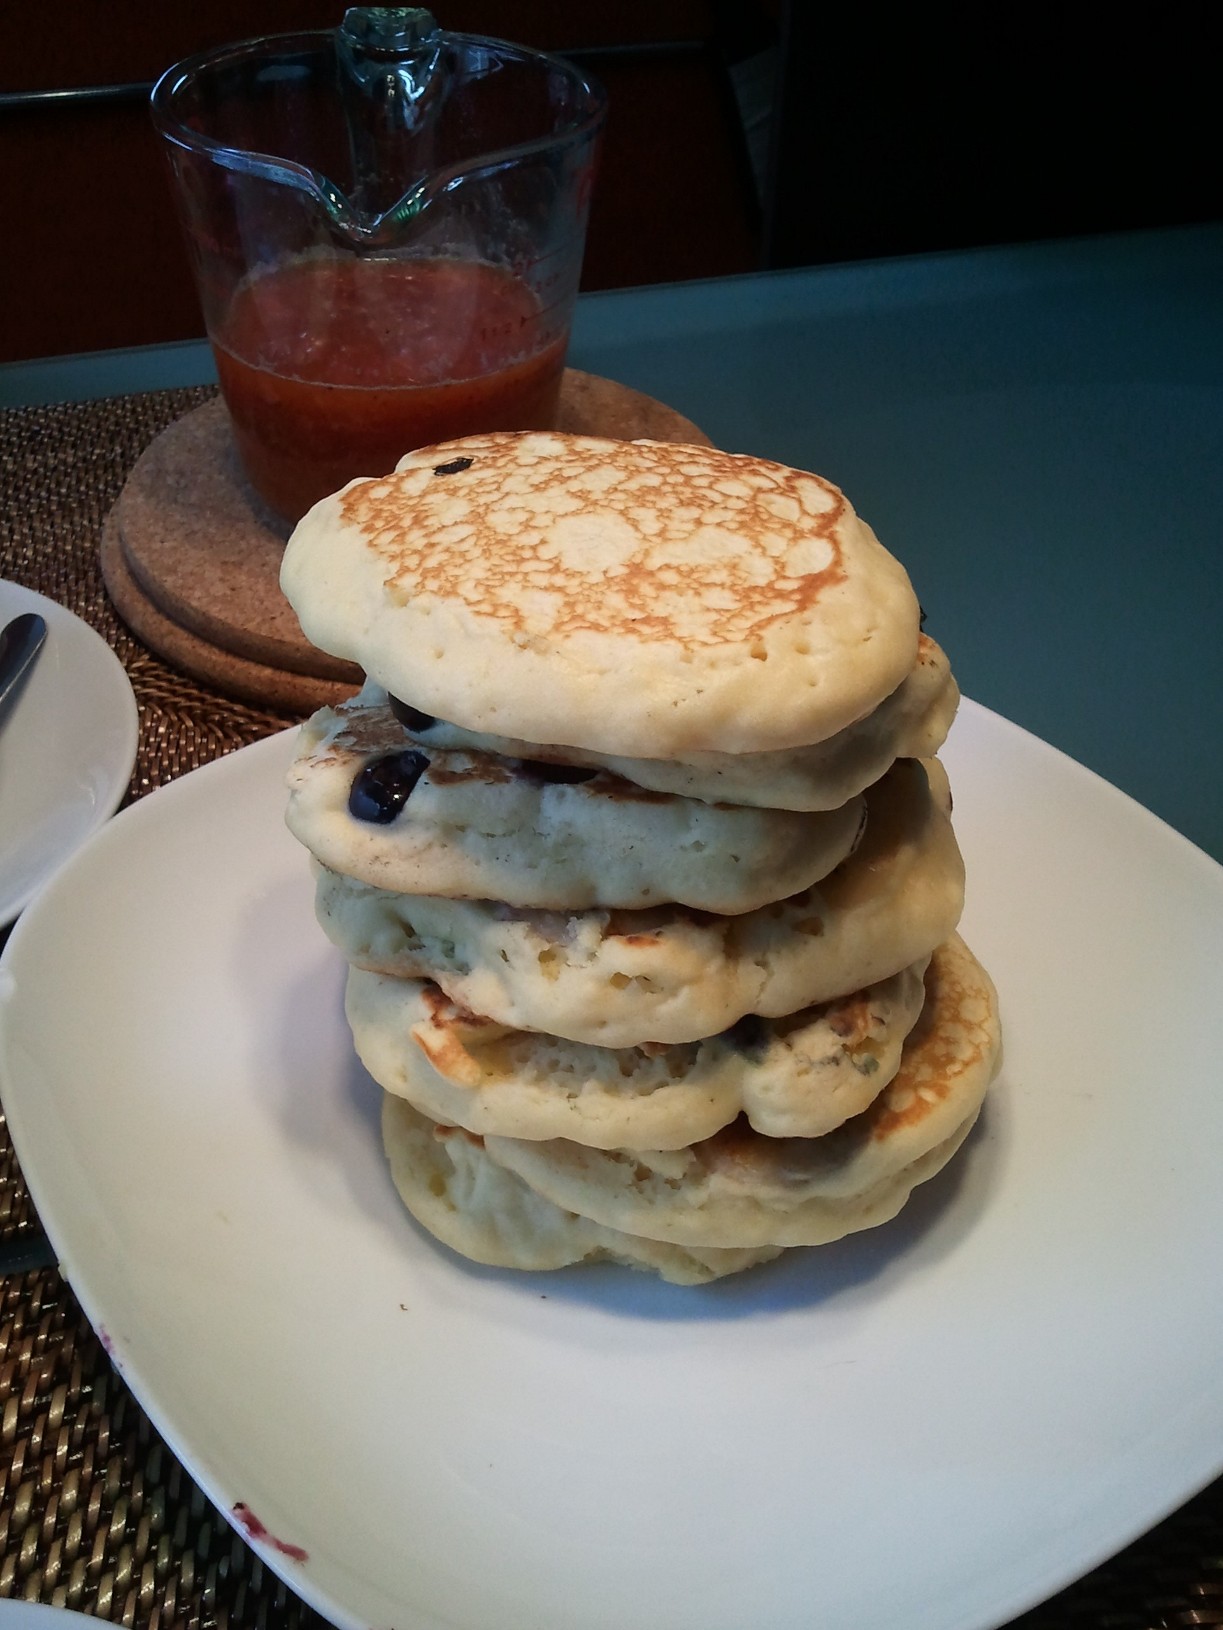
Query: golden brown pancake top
{"points": [[702, 547]]}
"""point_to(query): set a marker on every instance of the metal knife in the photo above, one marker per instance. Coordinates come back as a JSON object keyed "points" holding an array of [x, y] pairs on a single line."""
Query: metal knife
{"points": [[20, 642]]}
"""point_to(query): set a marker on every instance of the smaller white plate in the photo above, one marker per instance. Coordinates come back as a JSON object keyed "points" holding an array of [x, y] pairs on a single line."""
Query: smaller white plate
{"points": [[37, 1615], [66, 749]]}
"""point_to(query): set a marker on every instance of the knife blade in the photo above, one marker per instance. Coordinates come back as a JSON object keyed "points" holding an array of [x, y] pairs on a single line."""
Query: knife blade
{"points": [[20, 642]]}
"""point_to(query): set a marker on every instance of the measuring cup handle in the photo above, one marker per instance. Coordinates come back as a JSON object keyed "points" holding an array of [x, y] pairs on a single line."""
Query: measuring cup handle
{"points": [[389, 60]]}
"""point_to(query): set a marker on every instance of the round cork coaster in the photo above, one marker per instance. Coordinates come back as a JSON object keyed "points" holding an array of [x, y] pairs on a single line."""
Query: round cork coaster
{"points": [[192, 559], [257, 683]]}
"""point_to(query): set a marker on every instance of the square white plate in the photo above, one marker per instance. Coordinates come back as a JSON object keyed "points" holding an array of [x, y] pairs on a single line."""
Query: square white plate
{"points": [[936, 1423]]}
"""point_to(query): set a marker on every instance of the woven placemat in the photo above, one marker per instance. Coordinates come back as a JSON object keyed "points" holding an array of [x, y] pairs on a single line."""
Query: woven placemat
{"points": [[95, 1512]]}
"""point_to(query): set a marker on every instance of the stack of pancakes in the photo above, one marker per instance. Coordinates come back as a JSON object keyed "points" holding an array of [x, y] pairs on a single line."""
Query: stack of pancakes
{"points": [[638, 851]]}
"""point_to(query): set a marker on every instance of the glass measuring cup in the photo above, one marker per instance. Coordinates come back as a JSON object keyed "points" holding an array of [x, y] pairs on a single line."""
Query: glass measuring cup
{"points": [[386, 223]]}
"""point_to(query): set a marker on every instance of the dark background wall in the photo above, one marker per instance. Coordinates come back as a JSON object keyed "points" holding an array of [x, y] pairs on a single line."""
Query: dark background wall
{"points": [[913, 128], [872, 131]]}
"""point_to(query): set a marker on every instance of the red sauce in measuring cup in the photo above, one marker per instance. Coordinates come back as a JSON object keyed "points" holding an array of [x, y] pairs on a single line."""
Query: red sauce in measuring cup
{"points": [[334, 368]]}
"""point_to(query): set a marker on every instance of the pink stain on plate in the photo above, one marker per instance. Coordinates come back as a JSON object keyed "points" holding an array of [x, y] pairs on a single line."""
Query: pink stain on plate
{"points": [[254, 1529]]}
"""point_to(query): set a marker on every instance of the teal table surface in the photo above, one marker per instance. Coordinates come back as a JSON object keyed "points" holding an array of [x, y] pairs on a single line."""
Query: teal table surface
{"points": [[1037, 432]]}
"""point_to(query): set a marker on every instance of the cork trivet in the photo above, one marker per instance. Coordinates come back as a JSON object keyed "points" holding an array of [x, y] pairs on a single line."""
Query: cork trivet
{"points": [[249, 681], [593, 406], [192, 559]]}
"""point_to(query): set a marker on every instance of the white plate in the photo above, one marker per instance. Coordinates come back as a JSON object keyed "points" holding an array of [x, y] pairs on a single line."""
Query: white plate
{"points": [[66, 750], [935, 1424]]}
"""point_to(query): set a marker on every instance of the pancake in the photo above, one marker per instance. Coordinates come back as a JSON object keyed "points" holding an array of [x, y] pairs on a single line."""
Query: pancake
{"points": [[738, 1189], [798, 1076], [619, 979], [487, 1214], [910, 723], [475, 826], [646, 599]]}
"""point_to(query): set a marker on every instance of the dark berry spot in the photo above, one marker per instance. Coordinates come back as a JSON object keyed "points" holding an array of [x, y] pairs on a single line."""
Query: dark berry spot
{"points": [[454, 466], [384, 785], [411, 718], [564, 775], [748, 1035]]}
